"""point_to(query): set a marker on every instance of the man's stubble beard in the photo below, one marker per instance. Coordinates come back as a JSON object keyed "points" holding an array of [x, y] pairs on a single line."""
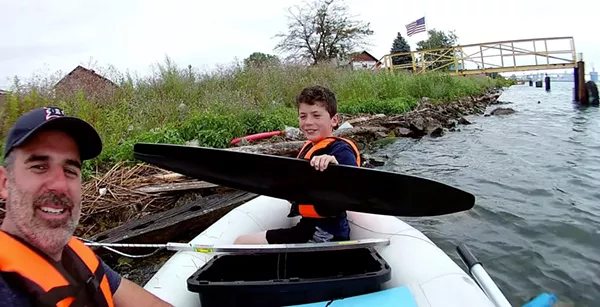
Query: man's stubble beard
{"points": [[48, 237]]}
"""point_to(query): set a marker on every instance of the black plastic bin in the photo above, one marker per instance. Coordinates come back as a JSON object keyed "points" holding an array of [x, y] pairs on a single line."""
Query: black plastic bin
{"points": [[280, 279]]}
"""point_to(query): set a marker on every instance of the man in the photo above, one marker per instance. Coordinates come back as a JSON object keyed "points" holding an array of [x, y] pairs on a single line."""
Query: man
{"points": [[41, 263]]}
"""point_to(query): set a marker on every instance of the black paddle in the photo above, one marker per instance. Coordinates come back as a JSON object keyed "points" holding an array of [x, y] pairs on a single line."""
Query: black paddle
{"points": [[339, 186]]}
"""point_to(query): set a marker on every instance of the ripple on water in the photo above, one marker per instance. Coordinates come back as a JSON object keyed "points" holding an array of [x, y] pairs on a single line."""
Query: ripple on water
{"points": [[536, 178]]}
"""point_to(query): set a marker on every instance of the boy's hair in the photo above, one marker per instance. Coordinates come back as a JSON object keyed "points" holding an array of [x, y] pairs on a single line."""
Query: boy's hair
{"points": [[318, 95]]}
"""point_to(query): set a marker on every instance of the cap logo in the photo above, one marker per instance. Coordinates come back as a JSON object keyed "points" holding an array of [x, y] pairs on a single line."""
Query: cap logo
{"points": [[52, 112]]}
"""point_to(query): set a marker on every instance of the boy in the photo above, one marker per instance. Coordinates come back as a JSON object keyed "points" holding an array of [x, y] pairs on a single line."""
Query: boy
{"points": [[317, 113]]}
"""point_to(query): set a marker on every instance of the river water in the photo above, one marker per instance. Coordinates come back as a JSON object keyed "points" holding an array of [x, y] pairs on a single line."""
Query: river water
{"points": [[536, 177]]}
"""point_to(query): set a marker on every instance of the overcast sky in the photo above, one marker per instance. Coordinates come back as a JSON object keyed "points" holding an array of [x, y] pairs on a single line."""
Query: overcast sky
{"points": [[46, 36]]}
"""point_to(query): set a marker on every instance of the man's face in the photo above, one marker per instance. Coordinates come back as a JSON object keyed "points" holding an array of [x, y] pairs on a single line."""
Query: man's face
{"points": [[43, 191]]}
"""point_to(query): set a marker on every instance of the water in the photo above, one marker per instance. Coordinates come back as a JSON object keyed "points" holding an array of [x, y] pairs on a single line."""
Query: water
{"points": [[536, 178]]}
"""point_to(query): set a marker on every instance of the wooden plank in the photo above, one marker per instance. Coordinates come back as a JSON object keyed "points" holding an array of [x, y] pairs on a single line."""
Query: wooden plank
{"points": [[176, 186], [177, 223]]}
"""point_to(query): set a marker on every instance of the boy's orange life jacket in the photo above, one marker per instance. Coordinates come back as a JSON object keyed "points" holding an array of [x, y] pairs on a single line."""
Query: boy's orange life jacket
{"points": [[307, 151], [25, 268]]}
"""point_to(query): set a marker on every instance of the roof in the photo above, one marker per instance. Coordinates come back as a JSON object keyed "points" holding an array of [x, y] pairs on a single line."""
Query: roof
{"points": [[364, 52], [88, 71]]}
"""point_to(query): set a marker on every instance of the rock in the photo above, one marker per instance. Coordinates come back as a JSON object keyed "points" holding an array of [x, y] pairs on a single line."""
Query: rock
{"points": [[502, 111], [418, 127], [370, 161], [395, 123], [381, 134], [375, 161], [345, 125], [463, 121], [404, 132], [292, 133], [486, 115], [437, 132]]}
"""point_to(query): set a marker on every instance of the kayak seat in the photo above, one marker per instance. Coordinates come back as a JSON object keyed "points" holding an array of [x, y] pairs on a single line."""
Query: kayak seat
{"points": [[288, 278]]}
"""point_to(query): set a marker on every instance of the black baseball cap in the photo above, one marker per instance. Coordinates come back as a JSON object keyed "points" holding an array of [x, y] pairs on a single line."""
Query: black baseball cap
{"points": [[53, 118]]}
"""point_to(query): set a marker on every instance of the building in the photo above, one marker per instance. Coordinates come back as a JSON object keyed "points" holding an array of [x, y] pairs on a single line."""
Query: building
{"points": [[363, 60], [88, 81]]}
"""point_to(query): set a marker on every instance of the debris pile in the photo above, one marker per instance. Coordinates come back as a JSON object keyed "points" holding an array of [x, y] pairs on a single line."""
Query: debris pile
{"points": [[127, 193]]}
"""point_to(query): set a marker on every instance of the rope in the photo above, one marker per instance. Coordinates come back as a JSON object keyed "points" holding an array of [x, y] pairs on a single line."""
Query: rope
{"points": [[92, 243]]}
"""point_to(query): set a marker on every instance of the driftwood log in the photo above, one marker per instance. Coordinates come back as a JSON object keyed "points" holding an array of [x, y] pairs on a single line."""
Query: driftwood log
{"points": [[176, 186], [289, 149]]}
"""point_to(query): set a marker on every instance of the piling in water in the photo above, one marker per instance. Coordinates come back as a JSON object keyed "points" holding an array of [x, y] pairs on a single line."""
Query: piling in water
{"points": [[547, 82], [576, 81], [581, 89], [530, 82], [538, 83]]}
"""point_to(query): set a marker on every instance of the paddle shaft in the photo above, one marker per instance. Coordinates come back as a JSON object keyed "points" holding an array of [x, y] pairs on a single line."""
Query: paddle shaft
{"points": [[482, 278], [253, 248]]}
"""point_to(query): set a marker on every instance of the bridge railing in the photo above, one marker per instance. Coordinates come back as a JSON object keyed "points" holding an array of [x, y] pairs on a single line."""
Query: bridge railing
{"points": [[501, 56]]}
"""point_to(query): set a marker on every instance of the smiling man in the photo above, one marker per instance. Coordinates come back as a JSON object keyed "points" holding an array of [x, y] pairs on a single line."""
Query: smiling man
{"points": [[41, 263]]}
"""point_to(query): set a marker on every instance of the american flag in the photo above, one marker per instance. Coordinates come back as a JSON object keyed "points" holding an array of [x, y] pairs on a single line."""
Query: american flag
{"points": [[415, 27]]}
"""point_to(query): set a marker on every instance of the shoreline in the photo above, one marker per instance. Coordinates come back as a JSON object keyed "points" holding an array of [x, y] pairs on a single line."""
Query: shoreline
{"points": [[426, 119]]}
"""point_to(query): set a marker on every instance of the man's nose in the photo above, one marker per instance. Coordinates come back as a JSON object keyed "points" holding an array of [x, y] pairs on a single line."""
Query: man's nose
{"points": [[58, 180]]}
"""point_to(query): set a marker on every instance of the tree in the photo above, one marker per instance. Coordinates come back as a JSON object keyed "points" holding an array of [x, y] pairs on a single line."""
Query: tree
{"points": [[400, 45], [261, 59], [436, 40], [320, 31]]}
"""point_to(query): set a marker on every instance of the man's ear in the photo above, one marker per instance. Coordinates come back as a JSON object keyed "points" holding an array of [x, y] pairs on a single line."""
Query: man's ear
{"points": [[3, 183]]}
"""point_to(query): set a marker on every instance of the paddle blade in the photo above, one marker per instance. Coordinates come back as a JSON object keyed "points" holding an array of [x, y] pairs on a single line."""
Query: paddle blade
{"points": [[339, 186]]}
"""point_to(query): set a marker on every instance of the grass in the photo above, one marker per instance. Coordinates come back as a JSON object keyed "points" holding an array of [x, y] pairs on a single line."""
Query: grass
{"points": [[175, 105]]}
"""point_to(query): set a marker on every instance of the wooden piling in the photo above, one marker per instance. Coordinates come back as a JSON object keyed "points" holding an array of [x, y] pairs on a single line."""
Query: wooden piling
{"points": [[576, 88], [547, 83], [530, 82], [581, 88]]}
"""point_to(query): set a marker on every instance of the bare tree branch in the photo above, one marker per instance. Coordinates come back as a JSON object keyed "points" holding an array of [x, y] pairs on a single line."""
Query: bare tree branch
{"points": [[322, 30]]}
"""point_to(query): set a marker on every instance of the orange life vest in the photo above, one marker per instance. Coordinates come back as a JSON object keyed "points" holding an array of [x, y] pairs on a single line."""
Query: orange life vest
{"points": [[49, 284], [307, 151]]}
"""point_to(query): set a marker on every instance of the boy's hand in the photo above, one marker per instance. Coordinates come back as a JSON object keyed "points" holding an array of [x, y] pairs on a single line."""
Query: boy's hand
{"points": [[320, 162]]}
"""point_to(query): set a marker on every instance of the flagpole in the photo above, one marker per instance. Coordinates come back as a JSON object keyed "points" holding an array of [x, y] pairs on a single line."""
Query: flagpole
{"points": [[426, 28]]}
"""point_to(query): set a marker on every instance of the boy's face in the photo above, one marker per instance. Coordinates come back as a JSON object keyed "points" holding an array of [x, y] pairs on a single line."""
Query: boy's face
{"points": [[315, 122]]}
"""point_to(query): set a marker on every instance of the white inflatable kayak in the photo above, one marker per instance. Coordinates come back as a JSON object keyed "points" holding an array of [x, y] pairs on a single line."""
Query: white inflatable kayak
{"points": [[421, 273]]}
